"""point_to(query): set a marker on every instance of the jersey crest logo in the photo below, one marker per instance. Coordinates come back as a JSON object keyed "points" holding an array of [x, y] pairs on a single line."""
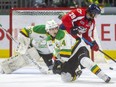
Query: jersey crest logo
{"points": [[82, 22], [89, 24]]}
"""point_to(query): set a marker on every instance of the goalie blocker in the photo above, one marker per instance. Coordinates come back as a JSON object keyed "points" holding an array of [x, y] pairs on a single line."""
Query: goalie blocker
{"points": [[16, 62]]}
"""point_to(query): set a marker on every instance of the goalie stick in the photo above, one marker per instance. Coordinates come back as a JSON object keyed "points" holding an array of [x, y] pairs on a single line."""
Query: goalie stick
{"points": [[34, 62]]}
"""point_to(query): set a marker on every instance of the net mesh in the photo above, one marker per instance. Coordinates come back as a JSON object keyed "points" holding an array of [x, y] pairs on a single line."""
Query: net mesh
{"points": [[38, 12]]}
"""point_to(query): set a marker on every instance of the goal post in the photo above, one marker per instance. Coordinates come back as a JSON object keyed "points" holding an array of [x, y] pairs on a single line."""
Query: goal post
{"points": [[24, 17]]}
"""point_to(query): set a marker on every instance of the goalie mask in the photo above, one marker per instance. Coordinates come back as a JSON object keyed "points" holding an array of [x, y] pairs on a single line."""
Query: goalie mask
{"points": [[50, 25]]}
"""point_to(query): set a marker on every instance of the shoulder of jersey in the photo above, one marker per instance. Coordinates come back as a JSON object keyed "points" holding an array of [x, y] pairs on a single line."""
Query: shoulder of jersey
{"points": [[60, 35], [40, 29], [81, 11]]}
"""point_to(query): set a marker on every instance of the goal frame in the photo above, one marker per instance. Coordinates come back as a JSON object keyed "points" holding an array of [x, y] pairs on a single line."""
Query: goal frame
{"points": [[40, 9]]}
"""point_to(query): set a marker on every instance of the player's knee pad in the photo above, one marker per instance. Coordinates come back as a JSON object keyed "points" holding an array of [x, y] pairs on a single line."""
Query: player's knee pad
{"points": [[67, 77]]}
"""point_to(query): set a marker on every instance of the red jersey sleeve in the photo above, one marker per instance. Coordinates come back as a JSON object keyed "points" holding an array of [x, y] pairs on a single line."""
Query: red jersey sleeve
{"points": [[69, 18]]}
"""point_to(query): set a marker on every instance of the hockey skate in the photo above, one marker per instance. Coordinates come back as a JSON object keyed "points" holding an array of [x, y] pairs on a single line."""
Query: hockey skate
{"points": [[106, 78], [78, 73]]}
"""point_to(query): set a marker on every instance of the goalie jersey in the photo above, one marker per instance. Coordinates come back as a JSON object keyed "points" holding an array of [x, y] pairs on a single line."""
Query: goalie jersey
{"points": [[38, 36]]}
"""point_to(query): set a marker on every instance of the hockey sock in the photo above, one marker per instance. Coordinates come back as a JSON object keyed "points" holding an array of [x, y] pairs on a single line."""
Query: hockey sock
{"points": [[88, 63]]}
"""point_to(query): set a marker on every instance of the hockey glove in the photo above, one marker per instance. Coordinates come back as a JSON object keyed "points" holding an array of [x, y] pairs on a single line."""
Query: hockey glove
{"points": [[57, 67], [61, 15], [78, 30], [95, 46], [82, 29], [74, 30]]}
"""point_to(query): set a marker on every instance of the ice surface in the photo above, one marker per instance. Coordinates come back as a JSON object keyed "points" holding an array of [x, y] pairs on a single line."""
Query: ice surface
{"points": [[31, 77]]}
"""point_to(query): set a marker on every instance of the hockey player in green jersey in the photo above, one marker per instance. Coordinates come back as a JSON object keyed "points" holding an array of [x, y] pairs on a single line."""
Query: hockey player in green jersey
{"points": [[32, 44], [69, 54]]}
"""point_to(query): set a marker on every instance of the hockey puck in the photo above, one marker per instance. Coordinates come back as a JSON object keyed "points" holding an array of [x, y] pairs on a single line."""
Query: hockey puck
{"points": [[110, 68]]}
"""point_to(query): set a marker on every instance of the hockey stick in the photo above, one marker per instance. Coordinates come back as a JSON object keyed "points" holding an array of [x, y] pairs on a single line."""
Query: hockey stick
{"points": [[34, 62], [99, 50], [9, 34]]}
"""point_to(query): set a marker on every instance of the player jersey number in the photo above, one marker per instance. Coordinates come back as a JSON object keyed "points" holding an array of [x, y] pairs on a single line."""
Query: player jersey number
{"points": [[79, 11], [72, 15]]}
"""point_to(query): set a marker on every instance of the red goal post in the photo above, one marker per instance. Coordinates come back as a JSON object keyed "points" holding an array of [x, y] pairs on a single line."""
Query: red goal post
{"points": [[24, 17]]}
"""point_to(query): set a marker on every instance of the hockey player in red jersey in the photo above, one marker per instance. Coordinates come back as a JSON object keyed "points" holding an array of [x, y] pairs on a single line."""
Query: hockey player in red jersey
{"points": [[82, 21]]}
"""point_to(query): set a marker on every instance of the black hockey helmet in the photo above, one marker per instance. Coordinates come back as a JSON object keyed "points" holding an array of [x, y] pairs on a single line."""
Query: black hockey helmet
{"points": [[94, 9]]}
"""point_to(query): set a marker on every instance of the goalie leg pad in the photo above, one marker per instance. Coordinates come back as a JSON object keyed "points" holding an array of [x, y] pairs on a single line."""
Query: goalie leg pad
{"points": [[14, 63], [33, 54], [24, 44]]}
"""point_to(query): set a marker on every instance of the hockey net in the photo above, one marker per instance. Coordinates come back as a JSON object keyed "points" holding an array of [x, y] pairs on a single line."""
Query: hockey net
{"points": [[24, 17]]}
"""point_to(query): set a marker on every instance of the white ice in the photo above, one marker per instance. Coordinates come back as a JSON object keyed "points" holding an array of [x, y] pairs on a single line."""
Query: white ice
{"points": [[30, 76]]}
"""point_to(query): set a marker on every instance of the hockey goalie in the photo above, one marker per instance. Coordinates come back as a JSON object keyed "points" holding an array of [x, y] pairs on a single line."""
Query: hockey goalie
{"points": [[32, 46]]}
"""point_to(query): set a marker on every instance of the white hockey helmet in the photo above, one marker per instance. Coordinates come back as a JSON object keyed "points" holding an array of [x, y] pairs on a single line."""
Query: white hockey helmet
{"points": [[50, 25]]}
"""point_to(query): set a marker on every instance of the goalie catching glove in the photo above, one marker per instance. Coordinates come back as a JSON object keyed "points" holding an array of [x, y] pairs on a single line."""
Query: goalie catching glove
{"points": [[77, 30], [95, 46]]}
